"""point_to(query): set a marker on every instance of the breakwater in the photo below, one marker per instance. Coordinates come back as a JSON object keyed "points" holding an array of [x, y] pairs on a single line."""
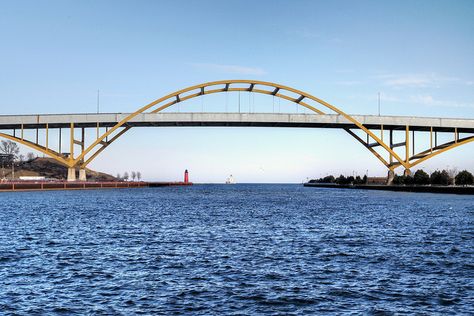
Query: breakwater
{"points": [[64, 185], [398, 188]]}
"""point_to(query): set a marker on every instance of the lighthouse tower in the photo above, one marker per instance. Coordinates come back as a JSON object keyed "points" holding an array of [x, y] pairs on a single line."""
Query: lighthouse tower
{"points": [[186, 176]]}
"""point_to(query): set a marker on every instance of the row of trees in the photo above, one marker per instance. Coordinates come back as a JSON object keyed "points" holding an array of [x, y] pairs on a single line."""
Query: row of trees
{"points": [[443, 177], [10, 153], [341, 180], [10, 157], [132, 176], [436, 178]]}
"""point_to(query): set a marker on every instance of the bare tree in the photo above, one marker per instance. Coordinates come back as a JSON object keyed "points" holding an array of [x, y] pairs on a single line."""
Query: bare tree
{"points": [[21, 158], [134, 175], [139, 175], [30, 156], [9, 148], [5, 162], [118, 176], [125, 176], [452, 172]]}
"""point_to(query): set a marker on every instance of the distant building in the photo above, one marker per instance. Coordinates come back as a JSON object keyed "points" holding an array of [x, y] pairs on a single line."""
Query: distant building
{"points": [[32, 178], [376, 180], [6, 160]]}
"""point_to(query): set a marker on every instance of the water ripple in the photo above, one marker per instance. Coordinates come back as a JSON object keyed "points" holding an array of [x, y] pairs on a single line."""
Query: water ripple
{"points": [[238, 250]]}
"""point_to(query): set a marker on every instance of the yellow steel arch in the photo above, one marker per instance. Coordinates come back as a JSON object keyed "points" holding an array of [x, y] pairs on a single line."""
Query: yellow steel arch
{"points": [[53, 154], [263, 87], [444, 148], [202, 89]]}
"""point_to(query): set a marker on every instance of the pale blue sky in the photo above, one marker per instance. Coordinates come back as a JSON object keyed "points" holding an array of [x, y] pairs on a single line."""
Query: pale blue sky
{"points": [[56, 54]]}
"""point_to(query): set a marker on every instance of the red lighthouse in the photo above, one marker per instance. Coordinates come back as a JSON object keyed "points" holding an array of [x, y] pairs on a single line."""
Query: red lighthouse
{"points": [[186, 176]]}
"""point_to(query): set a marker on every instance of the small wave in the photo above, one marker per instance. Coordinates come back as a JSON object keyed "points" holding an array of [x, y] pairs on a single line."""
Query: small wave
{"points": [[62, 310], [447, 301], [6, 259], [454, 250], [285, 300], [273, 276], [376, 311]]}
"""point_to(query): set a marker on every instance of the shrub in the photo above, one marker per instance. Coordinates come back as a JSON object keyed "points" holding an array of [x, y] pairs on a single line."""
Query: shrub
{"points": [[464, 178], [421, 177], [329, 179], [439, 178], [403, 180], [409, 180], [435, 177], [445, 178], [342, 180], [358, 180], [398, 180]]}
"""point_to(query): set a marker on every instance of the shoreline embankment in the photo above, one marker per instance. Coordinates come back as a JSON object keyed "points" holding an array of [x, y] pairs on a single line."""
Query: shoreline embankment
{"points": [[64, 185], [398, 188]]}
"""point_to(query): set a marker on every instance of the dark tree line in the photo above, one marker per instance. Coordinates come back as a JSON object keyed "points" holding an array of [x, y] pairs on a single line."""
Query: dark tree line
{"points": [[419, 178], [341, 180], [126, 176], [436, 178], [464, 178]]}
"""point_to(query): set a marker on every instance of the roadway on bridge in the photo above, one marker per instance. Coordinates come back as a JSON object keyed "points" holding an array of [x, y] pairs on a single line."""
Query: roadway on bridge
{"points": [[8, 122]]}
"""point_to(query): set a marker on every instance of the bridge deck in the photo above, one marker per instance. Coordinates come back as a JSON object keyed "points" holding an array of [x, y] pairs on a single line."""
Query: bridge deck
{"points": [[236, 119]]}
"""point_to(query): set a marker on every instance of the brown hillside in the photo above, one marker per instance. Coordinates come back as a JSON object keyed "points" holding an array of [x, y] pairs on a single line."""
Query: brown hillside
{"points": [[50, 168]]}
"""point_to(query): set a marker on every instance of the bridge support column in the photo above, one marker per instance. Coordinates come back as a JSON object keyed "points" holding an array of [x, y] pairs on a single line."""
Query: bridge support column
{"points": [[407, 172], [390, 176], [71, 174], [82, 175]]}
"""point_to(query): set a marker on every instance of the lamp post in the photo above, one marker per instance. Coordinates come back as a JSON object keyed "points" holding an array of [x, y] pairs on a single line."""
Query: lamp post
{"points": [[379, 103]]}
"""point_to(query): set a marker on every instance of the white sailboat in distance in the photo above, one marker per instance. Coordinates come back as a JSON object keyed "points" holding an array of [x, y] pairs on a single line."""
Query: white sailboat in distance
{"points": [[230, 180]]}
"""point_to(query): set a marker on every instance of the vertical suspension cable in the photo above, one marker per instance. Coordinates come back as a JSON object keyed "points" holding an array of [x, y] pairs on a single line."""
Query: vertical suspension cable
{"points": [[249, 101], [239, 101], [202, 103], [226, 101], [253, 103]]}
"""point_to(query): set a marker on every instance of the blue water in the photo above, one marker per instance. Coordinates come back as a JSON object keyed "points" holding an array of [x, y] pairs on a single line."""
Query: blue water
{"points": [[238, 249]]}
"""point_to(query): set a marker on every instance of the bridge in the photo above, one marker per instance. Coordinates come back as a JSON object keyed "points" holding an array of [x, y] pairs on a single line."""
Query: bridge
{"points": [[376, 133]]}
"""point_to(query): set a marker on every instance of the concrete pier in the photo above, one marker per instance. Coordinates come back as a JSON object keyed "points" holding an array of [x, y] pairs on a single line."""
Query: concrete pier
{"points": [[71, 174], [390, 177], [399, 188], [82, 175], [77, 185]]}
